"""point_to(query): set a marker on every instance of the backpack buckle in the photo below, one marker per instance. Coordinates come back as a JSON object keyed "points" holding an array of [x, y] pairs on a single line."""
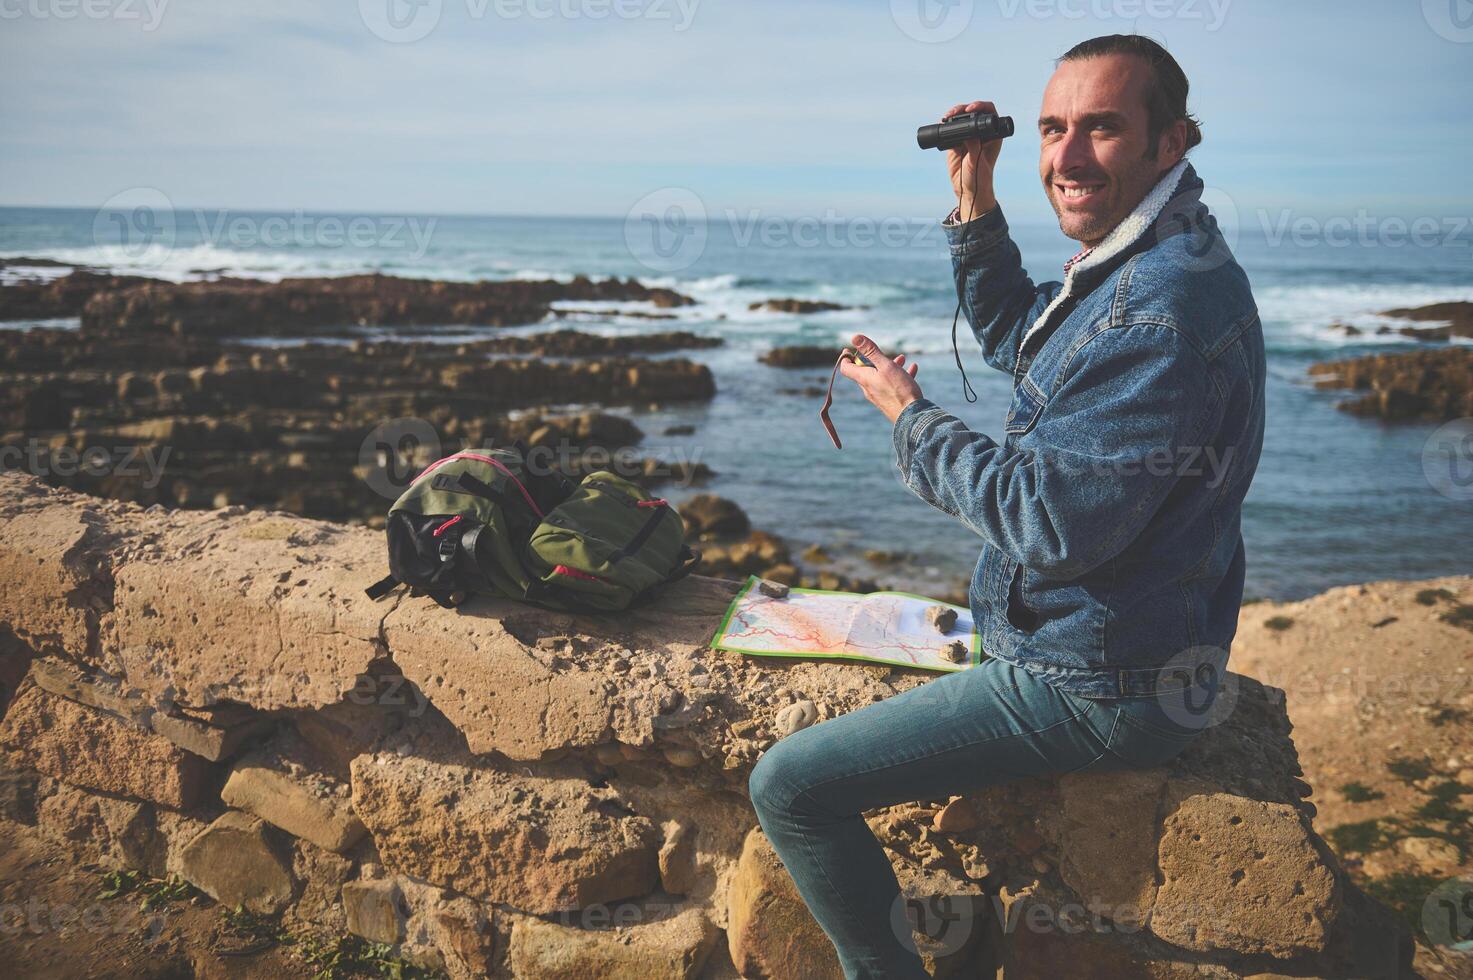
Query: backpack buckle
{"points": [[447, 549]]}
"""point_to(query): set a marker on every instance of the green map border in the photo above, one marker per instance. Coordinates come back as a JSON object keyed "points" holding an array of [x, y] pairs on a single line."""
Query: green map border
{"points": [[752, 581]]}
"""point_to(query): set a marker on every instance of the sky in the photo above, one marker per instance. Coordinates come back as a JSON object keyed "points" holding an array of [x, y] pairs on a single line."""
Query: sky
{"points": [[584, 107]]}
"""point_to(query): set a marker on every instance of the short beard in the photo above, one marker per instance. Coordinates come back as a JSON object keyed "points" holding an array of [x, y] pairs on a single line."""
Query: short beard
{"points": [[1090, 232]]}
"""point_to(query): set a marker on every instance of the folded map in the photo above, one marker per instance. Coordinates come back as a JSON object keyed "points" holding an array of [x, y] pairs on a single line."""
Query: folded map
{"points": [[880, 627]]}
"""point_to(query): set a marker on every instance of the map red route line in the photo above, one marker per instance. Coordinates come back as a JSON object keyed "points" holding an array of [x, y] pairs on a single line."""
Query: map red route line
{"points": [[881, 627]]}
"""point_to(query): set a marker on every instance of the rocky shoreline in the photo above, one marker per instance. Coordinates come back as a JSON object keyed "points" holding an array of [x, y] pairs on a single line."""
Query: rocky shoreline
{"points": [[1424, 385]]}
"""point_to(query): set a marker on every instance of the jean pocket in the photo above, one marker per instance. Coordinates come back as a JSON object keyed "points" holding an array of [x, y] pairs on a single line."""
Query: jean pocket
{"points": [[1144, 744]]}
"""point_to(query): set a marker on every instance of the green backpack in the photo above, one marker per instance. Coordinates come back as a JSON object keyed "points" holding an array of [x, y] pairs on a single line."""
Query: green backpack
{"points": [[482, 522]]}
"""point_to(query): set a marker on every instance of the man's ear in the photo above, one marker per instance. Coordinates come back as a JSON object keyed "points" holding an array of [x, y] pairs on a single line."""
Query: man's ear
{"points": [[1171, 145]]}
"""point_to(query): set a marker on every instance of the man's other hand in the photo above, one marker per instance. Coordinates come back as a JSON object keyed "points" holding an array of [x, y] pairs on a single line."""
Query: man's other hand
{"points": [[889, 385]]}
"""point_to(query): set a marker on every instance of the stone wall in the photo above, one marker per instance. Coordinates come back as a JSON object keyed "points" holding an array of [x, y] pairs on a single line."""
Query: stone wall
{"points": [[499, 790]]}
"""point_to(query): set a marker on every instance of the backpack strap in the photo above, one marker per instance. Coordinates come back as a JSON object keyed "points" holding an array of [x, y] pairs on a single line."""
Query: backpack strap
{"points": [[660, 508], [689, 559], [381, 588]]}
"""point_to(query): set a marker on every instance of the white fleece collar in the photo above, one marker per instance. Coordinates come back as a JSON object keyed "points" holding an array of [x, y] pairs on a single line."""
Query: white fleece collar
{"points": [[1122, 237]]}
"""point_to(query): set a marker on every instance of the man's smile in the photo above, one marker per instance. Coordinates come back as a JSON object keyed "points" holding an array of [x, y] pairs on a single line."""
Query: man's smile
{"points": [[1078, 193]]}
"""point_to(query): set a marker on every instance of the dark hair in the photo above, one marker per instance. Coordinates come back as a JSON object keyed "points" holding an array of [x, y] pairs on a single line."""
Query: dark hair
{"points": [[1166, 102]]}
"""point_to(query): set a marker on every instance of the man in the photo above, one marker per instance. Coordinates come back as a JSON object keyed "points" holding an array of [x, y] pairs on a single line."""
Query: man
{"points": [[1108, 588]]}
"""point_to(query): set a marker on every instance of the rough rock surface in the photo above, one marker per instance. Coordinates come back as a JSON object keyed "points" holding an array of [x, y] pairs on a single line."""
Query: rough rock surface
{"points": [[1424, 384], [303, 804], [673, 948], [509, 763], [801, 357], [537, 844], [237, 860], [770, 931], [88, 748]]}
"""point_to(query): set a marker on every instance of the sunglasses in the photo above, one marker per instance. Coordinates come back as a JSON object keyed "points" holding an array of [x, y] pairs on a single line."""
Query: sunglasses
{"points": [[828, 399]]}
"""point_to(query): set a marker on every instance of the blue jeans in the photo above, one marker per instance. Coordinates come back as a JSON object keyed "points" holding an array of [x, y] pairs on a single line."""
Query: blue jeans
{"points": [[959, 733]]}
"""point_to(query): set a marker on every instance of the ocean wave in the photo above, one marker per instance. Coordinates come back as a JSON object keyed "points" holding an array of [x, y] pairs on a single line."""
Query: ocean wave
{"points": [[1299, 316]]}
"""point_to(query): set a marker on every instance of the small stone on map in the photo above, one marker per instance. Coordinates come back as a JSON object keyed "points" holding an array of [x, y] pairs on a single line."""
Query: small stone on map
{"points": [[775, 590], [941, 617], [955, 651], [796, 717]]}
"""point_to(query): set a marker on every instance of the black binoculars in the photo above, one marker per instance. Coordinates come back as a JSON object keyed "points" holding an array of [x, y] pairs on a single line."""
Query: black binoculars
{"points": [[959, 129]]}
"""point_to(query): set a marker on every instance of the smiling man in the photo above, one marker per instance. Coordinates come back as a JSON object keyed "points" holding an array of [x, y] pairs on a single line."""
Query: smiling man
{"points": [[1111, 573]]}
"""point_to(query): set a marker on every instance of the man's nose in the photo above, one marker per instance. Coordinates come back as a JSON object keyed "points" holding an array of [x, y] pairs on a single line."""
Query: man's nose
{"points": [[1073, 152]]}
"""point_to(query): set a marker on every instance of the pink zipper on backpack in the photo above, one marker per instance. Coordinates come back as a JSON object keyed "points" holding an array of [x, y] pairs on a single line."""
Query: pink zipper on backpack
{"points": [[496, 463]]}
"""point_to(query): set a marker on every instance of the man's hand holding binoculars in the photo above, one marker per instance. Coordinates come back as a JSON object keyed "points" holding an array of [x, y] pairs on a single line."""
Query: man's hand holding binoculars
{"points": [[971, 165]]}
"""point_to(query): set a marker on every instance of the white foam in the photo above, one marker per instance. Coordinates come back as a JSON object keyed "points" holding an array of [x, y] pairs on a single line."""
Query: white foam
{"points": [[1306, 314]]}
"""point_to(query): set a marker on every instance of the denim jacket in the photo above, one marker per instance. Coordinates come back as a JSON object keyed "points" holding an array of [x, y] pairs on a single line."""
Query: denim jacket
{"points": [[1112, 557]]}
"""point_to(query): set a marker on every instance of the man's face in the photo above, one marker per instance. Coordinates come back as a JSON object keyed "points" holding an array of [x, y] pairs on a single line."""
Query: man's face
{"points": [[1095, 158]]}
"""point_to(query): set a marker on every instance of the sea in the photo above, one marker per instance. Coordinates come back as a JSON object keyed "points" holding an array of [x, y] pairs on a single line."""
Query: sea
{"points": [[1337, 499]]}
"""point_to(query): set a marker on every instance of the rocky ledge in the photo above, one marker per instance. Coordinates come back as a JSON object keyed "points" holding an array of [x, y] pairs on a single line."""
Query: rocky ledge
{"points": [[198, 422], [130, 305], [1425, 385], [1430, 385], [503, 791]]}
